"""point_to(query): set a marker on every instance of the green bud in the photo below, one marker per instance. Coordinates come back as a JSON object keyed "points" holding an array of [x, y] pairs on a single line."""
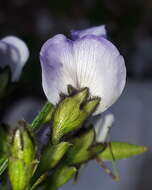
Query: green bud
{"points": [[52, 156], [82, 149], [121, 150], [71, 113], [59, 177], [22, 158], [18, 173]]}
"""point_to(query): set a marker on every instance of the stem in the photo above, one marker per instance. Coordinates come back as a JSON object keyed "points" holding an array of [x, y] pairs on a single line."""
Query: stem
{"points": [[107, 170], [43, 116]]}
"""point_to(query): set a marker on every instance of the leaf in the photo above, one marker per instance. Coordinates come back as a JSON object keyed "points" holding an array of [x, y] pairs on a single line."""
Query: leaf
{"points": [[121, 150], [43, 116], [4, 147], [3, 164]]}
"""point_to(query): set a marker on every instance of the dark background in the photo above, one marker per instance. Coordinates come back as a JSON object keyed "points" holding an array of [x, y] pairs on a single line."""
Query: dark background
{"points": [[128, 24], [129, 27]]}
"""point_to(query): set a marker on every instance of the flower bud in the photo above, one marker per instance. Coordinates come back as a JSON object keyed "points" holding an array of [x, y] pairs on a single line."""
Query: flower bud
{"points": [[80, 151], [71, 113], [59, 177], [83, 148], [21, 160], [52, 156], [121, 150]]}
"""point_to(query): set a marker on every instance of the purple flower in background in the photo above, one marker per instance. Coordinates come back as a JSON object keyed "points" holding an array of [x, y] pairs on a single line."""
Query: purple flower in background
{"points": [[89, 60], [13, 53]]}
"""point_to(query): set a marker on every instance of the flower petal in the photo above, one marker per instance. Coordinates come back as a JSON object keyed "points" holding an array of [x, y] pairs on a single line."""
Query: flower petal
{"points": [[58, 68], [97, 31], [102, 127], [101, 68], [13, 52], [20, 46]]}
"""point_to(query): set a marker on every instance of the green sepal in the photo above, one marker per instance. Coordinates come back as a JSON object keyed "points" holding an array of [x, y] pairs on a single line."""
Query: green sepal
{"points": [[71, 113], [71, 90], [120, 150], [59, 177]]}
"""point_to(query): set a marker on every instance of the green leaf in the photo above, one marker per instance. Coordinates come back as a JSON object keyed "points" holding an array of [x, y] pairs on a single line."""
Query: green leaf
{"points": [[4, 148], [121, 150], [71, 113], [44, 116], [3, 164], [59, 177]]}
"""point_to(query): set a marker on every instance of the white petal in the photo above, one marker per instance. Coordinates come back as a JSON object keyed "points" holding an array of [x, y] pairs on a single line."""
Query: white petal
{"points": [[103, 126], [20, 46], [100, 68], [58, 68], [15, 55]]}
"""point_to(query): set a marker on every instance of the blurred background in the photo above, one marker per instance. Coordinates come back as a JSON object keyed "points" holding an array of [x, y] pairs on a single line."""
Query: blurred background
{"points": [[129, 27]]}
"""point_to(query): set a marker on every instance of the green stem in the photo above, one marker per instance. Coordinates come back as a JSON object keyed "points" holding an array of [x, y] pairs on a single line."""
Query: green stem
{"points": [[43, 116]]}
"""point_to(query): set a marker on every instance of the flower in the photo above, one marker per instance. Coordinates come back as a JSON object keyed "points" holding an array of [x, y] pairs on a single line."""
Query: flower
{"points": [[13, 53], [89, 60], [103, 126]]}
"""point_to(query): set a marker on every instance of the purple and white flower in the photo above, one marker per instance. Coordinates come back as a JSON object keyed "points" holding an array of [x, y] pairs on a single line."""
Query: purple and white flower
{"points": [[89, 60], [13, 53]]}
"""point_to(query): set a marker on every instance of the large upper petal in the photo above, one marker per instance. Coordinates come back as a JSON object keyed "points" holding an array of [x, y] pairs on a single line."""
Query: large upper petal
{"points": [[58, 68], [101, 68], [96, 30]]}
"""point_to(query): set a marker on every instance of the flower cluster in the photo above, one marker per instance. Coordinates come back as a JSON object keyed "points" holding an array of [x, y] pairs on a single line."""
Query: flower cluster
{"points": [[81, 79]]}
